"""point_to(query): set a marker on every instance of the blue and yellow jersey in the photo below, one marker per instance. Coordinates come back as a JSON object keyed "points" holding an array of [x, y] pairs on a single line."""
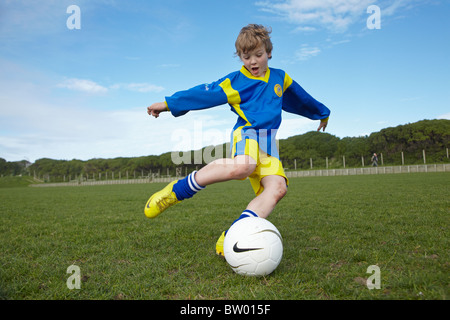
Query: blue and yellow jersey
{"points": [[258, 102]]}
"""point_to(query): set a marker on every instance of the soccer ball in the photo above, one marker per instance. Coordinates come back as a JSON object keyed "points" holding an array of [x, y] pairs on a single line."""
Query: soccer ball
{"points": [[253, 247]]}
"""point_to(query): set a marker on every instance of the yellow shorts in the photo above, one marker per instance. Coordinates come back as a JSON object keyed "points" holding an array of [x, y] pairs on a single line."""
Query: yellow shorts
{"points": [[266, 165]]}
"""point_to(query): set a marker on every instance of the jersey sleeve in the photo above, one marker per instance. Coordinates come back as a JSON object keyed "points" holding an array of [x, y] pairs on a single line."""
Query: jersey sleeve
{"points": [[297, 100], [200, 97]]}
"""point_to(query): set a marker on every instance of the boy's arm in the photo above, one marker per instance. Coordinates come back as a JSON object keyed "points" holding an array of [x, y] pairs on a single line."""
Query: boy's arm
{"points": [[197, 98], [297, 100]]}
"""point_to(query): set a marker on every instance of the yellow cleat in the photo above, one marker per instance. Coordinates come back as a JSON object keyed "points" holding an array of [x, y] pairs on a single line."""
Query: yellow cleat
{"points": [[160, 201], [219, 245]]}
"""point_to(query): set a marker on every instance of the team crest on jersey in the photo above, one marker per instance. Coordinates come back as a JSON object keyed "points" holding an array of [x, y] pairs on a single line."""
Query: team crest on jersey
{"points": [[278, 90]]}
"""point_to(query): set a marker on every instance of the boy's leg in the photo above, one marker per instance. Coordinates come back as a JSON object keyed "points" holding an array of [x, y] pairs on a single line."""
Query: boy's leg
{"points": [[275, 189], [217, 171], [221, 170], [219, 243]]}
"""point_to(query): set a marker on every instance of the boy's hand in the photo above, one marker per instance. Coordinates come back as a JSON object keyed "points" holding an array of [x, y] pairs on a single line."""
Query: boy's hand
{"points": [[323, 124], [156, 108]]}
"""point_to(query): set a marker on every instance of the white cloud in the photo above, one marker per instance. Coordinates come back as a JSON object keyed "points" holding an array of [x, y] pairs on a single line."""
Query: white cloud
{"points": [[305, 29], [307, 52], [37, 125], [40, 129], [46, 123], [91, 87], [445, 116], [335, 15], [296, 126], [392, 7], [143, 87], [83, 85]]}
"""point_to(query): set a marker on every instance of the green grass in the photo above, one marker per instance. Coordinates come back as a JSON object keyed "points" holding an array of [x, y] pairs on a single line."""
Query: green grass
{"points": [[333, 229], [16, 181]]}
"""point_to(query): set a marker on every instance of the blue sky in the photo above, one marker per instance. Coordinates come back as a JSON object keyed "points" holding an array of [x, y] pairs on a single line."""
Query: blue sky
{"points": [[82, 93]]}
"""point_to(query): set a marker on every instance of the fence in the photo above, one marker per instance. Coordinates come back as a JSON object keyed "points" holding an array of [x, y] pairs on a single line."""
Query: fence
{"points": [[105, 182], [289, 174], [370, 170]]}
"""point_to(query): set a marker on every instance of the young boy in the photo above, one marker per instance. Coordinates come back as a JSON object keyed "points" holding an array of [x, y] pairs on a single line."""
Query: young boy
{"points": [[257, 94]]}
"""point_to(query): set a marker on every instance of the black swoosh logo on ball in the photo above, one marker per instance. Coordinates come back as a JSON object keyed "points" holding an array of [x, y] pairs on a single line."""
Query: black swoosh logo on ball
{"points": [[237, 249]]}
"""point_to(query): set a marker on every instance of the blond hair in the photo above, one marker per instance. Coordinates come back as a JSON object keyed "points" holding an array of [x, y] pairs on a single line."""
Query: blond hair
{"points": [[251, 37]]}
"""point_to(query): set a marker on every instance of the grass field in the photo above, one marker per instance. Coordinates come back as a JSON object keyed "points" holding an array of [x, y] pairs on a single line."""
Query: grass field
{"points": [[333, 228]]}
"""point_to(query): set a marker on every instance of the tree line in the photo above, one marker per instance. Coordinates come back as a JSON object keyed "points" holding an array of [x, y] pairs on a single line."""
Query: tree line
{"points": [[433, 136], [324, 149]]}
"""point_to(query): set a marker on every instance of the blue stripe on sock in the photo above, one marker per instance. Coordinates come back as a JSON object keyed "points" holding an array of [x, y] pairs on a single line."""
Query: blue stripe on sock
{"points": [[250, 212], [190, 184], [196, 183], [193, 183], [246, 214], [187, 187]]}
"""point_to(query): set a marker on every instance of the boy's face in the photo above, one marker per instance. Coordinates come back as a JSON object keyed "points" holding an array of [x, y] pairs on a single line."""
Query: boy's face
{"points": [[256, 61]]}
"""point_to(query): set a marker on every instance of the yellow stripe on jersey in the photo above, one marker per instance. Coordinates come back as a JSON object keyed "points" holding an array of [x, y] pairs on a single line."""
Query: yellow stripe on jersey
{"points": [[287, 82], [249, 75], [234, 100]]}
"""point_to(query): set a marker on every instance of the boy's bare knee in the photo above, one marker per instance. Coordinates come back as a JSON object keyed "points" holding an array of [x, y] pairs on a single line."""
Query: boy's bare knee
{"points": [[243, 166], [277, 188], [242, 171], [280, 190]]}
